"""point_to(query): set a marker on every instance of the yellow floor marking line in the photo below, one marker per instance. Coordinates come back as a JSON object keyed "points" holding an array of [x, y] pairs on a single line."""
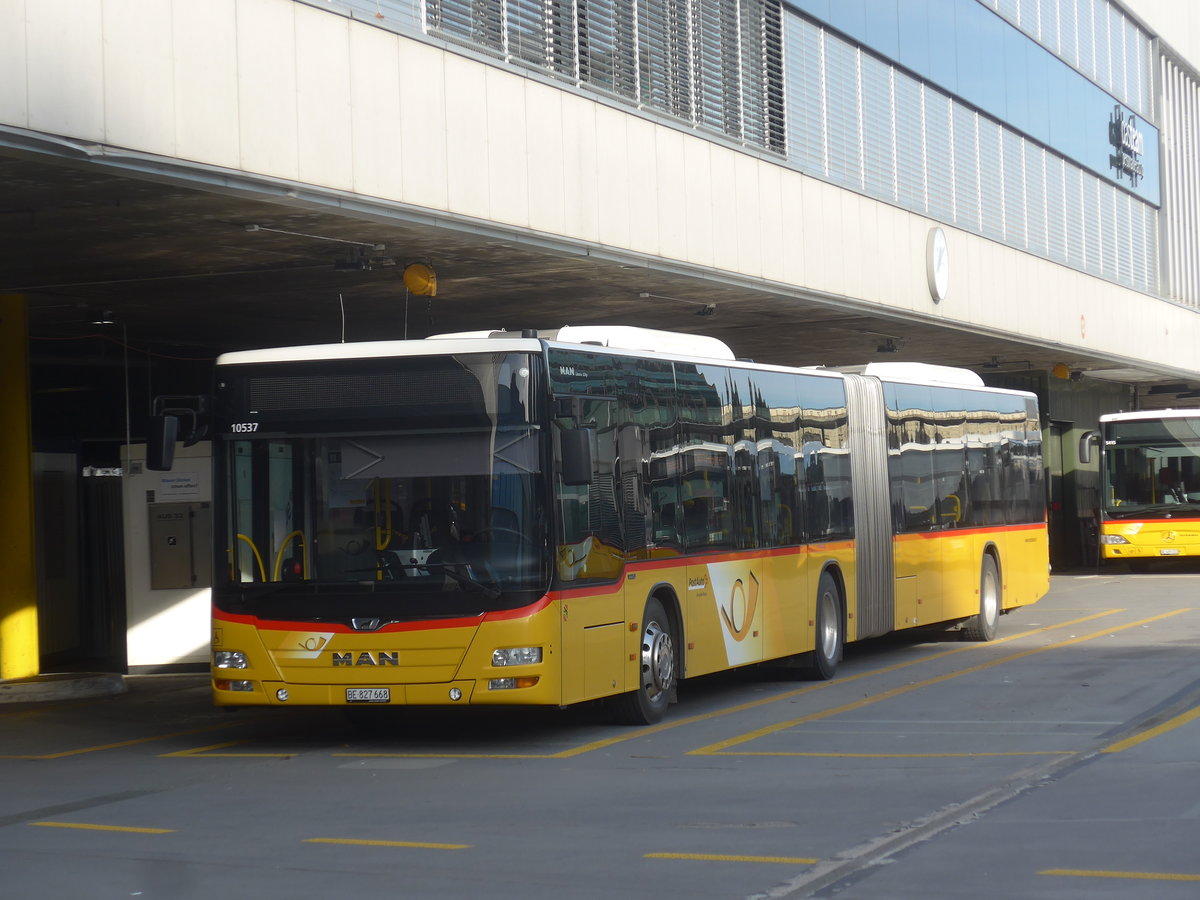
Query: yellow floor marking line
{"points": [[634, 734], [418, 845], [130, 743], [1169, 725], [722, 747], [87, 827], [967, 755], [207, 752], [722, 857], [1100, 873]]}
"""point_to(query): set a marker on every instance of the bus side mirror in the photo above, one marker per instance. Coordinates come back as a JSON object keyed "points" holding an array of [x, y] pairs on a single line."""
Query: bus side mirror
{"points": [[1085, 446], [576, 444], [161, 434]]}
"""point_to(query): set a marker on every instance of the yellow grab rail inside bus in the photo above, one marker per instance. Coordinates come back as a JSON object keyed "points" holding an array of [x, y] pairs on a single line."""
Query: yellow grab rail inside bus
{"points": [[262, 572], [283, 546]]}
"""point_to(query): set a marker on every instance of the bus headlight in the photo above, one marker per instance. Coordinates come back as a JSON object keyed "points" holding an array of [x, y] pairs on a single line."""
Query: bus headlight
{"points": [[516, 656], [229, 659], [1113, 539]]}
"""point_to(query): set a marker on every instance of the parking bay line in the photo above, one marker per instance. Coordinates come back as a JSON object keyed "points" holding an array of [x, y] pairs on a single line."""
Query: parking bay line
{"points": [[742, 707], [130, 743], [725, 857], [722, 747], [1100, 873], [208, 752], [416, 845], [1151, 733], [91, 827]]}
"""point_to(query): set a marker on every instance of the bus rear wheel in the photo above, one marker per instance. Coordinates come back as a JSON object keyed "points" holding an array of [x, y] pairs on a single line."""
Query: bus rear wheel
{"points": [[657, 670], [829, 638], [982, 627]]}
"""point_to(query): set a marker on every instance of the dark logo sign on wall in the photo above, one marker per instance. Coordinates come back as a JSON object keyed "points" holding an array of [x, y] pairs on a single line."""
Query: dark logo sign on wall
{"points": [[1128, 146]]}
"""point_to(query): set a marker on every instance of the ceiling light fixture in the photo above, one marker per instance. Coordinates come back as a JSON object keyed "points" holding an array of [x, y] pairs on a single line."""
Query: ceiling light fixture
{"points": [[706, 309], [888, 346], [996, 362], [316, 237], [365, 256]]}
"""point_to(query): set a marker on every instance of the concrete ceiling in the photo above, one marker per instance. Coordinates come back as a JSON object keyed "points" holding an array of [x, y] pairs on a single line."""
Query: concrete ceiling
{"points": [[183, 274]]}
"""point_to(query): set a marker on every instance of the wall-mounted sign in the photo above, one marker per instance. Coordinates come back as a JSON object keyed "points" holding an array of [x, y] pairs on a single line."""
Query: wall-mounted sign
{"points": [[1128, 146]]}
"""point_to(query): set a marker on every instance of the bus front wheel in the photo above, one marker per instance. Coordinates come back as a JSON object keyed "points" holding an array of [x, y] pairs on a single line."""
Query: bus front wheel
{"points": [[829, 638], [982, 627], [657, 670]]}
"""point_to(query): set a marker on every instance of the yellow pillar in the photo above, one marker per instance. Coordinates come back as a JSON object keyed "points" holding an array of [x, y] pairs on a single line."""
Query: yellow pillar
{"points": [[18, 567]]}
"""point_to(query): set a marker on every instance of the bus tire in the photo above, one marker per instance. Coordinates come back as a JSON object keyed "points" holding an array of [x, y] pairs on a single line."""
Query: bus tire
{"points": [[830, 637], [982, 627], [657, 671]]}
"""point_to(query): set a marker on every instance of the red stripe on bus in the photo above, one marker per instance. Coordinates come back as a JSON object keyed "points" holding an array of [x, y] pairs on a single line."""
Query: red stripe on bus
{"points": [[462, 622], [966, 532], [1169, 523]]}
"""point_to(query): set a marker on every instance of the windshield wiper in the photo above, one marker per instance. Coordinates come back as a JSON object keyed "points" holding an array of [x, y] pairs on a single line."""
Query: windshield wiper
{"points": [[1122, 512], [449, 569]]}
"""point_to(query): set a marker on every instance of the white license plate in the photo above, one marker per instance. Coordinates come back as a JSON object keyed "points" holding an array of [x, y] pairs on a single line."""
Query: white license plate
{"points": [[1169, 551], [368, 695]]}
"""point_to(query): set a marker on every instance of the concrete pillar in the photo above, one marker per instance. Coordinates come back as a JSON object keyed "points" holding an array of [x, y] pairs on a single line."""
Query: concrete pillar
{"points": [[18, 567]]}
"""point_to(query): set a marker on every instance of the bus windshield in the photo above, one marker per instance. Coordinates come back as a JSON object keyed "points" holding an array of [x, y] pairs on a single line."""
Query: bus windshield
{"points": [[1153, 466], [424, 505]]}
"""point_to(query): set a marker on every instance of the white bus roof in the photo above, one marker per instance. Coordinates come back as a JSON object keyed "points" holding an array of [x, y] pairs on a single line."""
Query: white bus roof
{"points": [[616, 337], [1143, 415], [923, 373], [623, 337], [377, 350]]}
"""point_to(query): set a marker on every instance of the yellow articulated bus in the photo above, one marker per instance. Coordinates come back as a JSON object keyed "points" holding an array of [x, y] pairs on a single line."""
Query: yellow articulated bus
{"points": [[1150, 484], [598, 512]]}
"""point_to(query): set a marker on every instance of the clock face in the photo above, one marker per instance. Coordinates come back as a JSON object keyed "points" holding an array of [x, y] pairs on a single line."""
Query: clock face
{"points": [[937, 264]]}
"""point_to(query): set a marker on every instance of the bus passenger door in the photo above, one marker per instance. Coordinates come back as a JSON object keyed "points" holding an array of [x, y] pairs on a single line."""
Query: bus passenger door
{"points": [[590, 559]]}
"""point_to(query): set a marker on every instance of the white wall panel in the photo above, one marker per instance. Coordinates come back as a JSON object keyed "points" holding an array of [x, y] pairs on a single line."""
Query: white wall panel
{"points": [[423, 125], [701, 216], [323, 121], [14, 103], [792, 188], [579, 168], [467, 138], [267, 87], [643, 191], [613, 167], [847, 262], [544, 162], [139, 76], [820, 214], [204, 47], [749, 216], [375, 115], [508, 177], [770, 227], [669, 163], [722, 213], [65, 74]]}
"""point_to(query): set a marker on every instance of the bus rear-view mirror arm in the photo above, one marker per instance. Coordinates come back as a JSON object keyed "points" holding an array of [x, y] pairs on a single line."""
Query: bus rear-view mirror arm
{"points": [[162, 430], [1085, 446]]}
